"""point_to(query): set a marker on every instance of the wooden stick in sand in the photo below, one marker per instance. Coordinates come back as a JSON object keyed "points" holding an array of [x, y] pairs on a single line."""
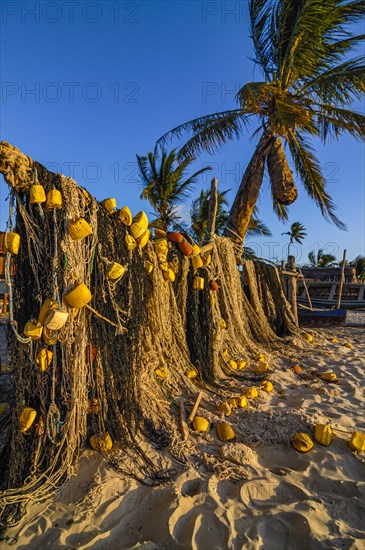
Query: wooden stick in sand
{"points": [[342, 279], [183, 423], [195, 407]]}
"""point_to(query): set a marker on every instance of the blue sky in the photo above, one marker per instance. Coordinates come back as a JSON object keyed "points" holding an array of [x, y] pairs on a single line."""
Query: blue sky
{"points": [[87, 85]]}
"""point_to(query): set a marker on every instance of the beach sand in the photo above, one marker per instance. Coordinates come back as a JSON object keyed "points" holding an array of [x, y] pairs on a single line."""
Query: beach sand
{"points": [[288, 500]]}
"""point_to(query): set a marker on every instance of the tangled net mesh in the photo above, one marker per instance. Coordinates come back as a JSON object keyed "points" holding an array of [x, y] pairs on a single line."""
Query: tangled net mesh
{"points": [[110, 351]]}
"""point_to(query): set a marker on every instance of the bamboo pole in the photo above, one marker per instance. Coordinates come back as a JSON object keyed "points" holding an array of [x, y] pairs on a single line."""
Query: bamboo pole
{"points": [[212, 213], [342, 279]]}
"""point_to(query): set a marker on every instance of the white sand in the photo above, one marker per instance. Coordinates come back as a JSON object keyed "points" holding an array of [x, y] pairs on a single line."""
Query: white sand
{"points": [[288, 501]]}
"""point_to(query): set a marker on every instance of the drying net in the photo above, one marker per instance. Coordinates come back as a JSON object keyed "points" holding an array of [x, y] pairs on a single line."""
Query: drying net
{"points": [[102, 377]]}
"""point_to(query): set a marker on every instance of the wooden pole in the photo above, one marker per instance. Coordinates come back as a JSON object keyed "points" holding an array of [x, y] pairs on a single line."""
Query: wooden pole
{"points": [[342, 279], [183, 423], [292, 286], [195, 408], [212, 213], [306, 289], [282, 277]]}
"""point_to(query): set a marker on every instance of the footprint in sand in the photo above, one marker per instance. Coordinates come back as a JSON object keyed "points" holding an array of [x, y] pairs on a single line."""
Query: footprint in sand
{"points": [[200, 527], [264, 494], [191, 488], [285, 530], [279, 457]]}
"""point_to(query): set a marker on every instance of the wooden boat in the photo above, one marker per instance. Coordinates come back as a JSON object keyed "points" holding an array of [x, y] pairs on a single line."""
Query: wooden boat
{"points": [[324, 294], [307, 316]]}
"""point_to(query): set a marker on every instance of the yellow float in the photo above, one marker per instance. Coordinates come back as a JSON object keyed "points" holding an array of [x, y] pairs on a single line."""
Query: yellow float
{"points": [[44, 359], [251, 393], [79, 296], [110, 205], [26, 419], [115, 271], [33, 329], [201, 425], [130, 242], [54, 199], [198, 283], [225, 431], [357, 442], [225, 408], [37, 194], [79, 229], [101, 442], [12, 242], [323, 434], [266, 385], [302, 442], [125, 216]]}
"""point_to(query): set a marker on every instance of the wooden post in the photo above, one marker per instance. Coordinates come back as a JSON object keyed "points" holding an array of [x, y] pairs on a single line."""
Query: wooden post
{"points": [[212, 214], [292, 286], [282, 277], [5, 302], [342, 279]]}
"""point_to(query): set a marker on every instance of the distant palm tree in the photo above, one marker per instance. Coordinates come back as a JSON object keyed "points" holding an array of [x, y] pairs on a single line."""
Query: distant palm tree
{"points": [[297, 233], [321, 259], [199, 217], [309, 85], [359, 264], [199, 214], [166, 185]]}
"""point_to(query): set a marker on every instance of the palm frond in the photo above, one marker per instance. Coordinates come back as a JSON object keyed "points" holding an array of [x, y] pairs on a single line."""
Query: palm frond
{"points": [[258, 228], [260, 16], [305, 33], [341, 83], [309, 171], [249, 253], [334, 121], [210, 132], [280, 210]]}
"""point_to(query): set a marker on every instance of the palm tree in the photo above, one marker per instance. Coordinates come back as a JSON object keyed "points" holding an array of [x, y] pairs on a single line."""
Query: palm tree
{"points": [[309, 85], [320, 259], [359, 264], [199, 214], [199, 217], [297, 233], [166, 186]]}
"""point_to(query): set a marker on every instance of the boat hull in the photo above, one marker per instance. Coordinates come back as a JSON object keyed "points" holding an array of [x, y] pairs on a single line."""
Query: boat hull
{"points": [[308, 317]]}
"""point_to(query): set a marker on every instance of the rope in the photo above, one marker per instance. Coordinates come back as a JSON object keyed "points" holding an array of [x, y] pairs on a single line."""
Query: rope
{"points": [[105, 319], [12, 322]]}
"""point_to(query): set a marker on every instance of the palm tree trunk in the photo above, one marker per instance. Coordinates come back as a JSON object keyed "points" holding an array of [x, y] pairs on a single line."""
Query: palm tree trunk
{"points": [[247, 194]]}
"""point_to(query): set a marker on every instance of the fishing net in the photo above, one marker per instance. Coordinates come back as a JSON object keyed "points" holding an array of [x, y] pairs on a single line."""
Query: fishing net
{"points": [[120, 363]]}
